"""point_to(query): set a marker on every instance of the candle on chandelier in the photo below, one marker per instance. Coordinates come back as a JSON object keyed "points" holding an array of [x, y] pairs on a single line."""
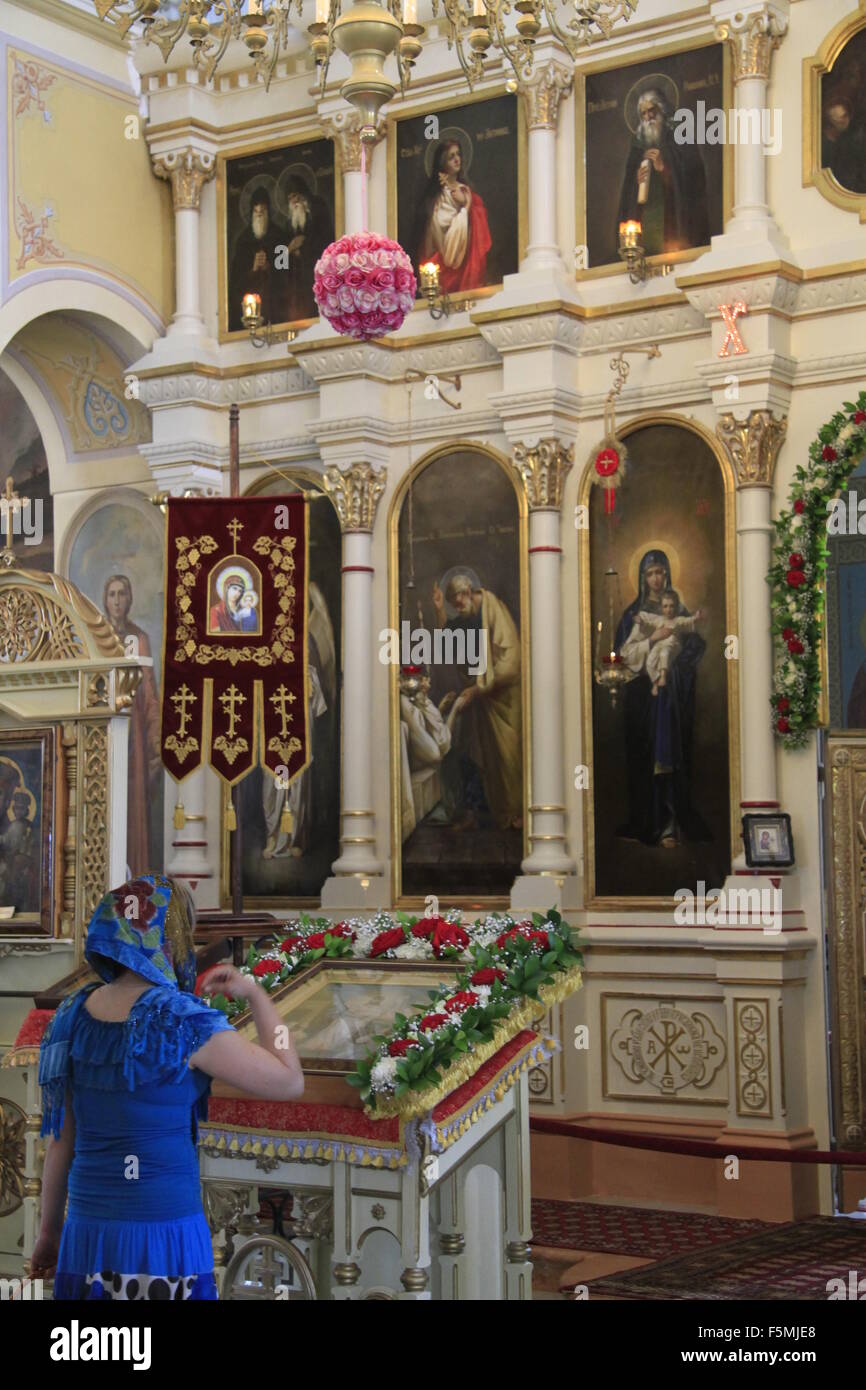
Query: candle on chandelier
{"points": [[429, 275], [322, 8], [251, 310], [629, 235], [410, 11], [257, 6], [479, 9]]}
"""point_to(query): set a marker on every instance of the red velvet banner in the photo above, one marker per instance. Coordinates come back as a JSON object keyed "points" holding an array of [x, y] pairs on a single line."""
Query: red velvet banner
{"points": [[235, 653]]}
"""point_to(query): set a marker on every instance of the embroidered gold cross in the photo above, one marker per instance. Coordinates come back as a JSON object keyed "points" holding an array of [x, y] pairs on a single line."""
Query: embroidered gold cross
{"points": [[229, 699], [280, 699], [180, 700], [234, 529]]}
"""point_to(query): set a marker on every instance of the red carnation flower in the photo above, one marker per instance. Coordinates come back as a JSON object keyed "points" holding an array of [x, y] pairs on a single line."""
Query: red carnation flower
{"points": [[387, 941], [400, 1046], [268, 966], [525, 931], [782, 725], [787, 633], [427, 925], [795, 578], [449, 934], [795, 647], [315, 941], [796, 561], [290, 943], [799, 506], [340, 929], [487, 976], [463, 999], [828, 453], [859, 417], [783, 704], [432, 1021]]}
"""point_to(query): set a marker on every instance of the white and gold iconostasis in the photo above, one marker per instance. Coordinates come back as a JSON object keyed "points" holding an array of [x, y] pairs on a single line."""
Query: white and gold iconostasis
{"points": [[460, 448]]}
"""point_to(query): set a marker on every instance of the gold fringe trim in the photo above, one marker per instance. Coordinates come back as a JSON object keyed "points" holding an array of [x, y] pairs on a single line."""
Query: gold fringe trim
{"points": [[414, 1104]]}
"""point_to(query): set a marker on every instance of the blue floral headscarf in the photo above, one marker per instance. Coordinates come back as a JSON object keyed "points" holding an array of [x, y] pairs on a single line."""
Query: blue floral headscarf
{"points": [[144, 925]]}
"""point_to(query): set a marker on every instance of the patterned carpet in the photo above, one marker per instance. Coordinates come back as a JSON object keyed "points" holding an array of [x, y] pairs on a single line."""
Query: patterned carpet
{"points": [[636, 1231], [793, 1261]]}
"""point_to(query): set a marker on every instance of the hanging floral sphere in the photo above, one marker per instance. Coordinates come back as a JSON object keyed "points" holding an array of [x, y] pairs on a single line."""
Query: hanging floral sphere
{"points": [[364, 285]]}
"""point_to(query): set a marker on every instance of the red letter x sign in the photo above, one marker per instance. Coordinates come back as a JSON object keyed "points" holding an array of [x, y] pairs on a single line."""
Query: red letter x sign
{"points": [[730, 312]]}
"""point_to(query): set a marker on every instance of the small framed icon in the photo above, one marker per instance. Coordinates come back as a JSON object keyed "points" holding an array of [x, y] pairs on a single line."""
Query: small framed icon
{"points": [[768, 841]]}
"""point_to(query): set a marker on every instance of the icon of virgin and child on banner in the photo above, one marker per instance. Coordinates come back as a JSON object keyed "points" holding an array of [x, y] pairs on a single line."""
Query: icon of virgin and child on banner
{"points": [[235, 661]]}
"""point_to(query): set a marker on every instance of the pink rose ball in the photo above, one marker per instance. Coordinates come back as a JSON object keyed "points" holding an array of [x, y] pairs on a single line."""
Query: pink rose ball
{"points": [[364, 285]]}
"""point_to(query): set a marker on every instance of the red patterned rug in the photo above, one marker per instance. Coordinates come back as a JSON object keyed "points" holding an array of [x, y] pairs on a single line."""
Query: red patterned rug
{"points": [[795, 1261], [637, 1231]]}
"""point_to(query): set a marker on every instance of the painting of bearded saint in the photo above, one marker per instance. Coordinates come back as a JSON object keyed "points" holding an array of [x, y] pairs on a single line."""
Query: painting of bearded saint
{"points": [[453, 230], [664, 184], [461, 708]]}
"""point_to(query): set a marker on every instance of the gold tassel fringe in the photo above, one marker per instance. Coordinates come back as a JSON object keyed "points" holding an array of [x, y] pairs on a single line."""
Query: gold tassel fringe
{"points": [[287, 823]]}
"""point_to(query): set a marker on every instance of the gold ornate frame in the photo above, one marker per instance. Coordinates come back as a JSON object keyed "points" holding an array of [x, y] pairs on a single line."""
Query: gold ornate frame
{"points": [[239, 334], [447, 104], [394, 510], [580, 191], [732, 625], [300, 474], [814, 69], [845, 837]]}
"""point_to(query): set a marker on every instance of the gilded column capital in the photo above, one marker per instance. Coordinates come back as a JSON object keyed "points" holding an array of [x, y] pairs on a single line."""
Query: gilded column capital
{"points": [[187, 171], [355, 492], [753, 445], [543, 94], [344, 128], [752, 39], [543, 469]]}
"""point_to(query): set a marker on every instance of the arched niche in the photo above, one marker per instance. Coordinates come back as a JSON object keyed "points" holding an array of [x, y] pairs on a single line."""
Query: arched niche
{"points": [[292, 865], [459, 771], [663, 755]]}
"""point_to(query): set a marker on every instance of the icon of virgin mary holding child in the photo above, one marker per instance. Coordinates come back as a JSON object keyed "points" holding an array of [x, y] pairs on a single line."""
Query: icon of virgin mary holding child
{"points": [[660, 716], [452, 229]]}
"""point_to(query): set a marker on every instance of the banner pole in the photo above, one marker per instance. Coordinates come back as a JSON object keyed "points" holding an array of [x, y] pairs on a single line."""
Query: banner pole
{"points": [[237, 833]]}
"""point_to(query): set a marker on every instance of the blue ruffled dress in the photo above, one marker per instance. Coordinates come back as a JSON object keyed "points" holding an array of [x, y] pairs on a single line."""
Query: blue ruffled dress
{"points": [[134, 1228]]}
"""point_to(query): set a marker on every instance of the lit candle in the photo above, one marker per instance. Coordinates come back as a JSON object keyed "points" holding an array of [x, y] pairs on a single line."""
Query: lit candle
{"points": [[410, 11], [479, 9], [629, 235], [429, 275], [251, 309], [257, 6], [322, 8]]}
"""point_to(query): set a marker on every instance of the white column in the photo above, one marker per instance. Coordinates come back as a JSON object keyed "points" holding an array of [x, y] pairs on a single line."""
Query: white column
{"points": [[753, 446], [187, 170], [752, 33], [188, 848], [543, 469], [541, 102], [356, 492], [344, 127]]}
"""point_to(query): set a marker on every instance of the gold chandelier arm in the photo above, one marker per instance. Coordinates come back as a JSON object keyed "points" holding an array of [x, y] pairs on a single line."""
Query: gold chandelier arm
{"points": [[166, 35], [209, 55], [517, 50]]}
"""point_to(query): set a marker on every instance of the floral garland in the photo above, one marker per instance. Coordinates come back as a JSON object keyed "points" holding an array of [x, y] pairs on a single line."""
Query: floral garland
{"points": [[797, 571], [513, 979], [518, 968]]}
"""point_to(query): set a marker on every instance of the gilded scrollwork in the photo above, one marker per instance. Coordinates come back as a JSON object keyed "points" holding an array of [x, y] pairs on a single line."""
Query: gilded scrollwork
{"points": [[94, 819], [355, 492], [13, 1122], [753, 445], [846, 768], [543, 469]]}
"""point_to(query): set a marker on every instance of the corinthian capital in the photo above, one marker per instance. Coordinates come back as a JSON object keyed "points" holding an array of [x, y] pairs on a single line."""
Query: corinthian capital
{"points": [[543, 470], [355, 491], [544, 93], [753, 445], [752, 35], [344, 128], [188, 171]]}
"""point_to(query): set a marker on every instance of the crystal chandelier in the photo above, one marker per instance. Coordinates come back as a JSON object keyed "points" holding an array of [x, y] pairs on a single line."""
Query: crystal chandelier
{"points": [[368, 33]]}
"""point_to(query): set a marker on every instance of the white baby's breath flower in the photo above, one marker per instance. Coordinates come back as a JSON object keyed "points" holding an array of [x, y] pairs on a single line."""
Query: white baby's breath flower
{"points": [[483, 992], [416, 948], [383, 1074]]}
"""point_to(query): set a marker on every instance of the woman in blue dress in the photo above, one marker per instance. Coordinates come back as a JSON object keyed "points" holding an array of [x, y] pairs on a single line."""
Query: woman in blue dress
{"points": [[125, 1070]]}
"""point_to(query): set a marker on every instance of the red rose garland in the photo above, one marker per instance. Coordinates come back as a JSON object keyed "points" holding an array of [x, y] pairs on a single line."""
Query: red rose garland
{"points": [[799, 562]]}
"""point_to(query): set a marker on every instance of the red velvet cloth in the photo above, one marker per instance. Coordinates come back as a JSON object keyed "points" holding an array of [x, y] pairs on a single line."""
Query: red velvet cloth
{"points": [[465, 1094], [338, 1121], [31, 1030], [296, 1117]]}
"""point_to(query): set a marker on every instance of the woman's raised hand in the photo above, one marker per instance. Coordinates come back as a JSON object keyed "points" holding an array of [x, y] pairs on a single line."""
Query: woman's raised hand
{"points": [[227, 979], [43, 1261]]}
